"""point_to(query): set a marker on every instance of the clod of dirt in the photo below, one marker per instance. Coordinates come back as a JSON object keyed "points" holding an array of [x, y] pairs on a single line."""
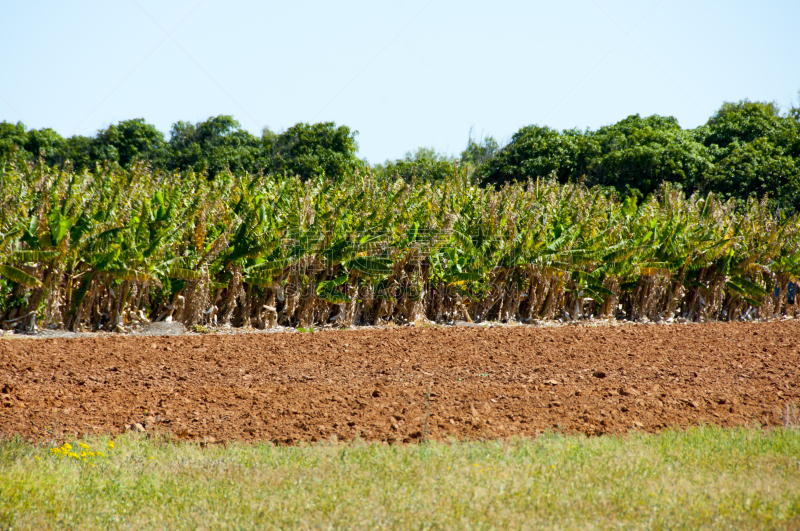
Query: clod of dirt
{"points": [[551, 382], [599, 374], [473, 411], [138, 427], [628, 391]]}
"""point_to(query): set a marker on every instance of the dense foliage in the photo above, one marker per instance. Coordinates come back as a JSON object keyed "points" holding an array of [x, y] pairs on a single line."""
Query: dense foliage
{"points": [[429, 165], [746, 149], [116, 246], [639, 219], [424, 164], [216, 145]]}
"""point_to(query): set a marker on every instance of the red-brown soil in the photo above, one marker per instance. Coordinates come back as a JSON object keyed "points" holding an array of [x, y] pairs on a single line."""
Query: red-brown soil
{"points": [[483, 383]]}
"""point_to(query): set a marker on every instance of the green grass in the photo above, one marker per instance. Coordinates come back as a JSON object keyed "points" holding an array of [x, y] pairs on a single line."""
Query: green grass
{"points": [[705, 477]]}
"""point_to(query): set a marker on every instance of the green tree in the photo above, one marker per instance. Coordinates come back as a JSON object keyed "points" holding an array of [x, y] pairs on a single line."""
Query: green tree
{"points": [[216, 145], [638, 154], [746, 121], [758, 168], [307, 150], [128, 141], [79, 152], [538, 151], [756, 151], [423, 164], [479, 151], [49, 144], [794, 112], [634, 156], [12, 140]]}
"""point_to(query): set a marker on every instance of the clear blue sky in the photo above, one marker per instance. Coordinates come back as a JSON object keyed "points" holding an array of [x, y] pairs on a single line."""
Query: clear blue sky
{"points": [[404, 74]]}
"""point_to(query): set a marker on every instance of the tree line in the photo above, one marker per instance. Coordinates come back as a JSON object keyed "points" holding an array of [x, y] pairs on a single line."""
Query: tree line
{"points": [[746, 149], [213, 146]]}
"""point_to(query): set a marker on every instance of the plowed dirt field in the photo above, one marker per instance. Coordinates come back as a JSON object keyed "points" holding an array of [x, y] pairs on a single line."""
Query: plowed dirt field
{"points": [[402, 384]]}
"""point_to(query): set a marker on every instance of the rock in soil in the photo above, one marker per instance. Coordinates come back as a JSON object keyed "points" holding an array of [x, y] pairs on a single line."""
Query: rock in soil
{"points": [[162, 328]]}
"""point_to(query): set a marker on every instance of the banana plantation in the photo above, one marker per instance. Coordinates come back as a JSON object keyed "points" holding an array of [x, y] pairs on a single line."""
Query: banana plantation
{"points": [[115, 248]]}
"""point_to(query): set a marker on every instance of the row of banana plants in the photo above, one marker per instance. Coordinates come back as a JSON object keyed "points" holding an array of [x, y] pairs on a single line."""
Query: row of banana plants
{"points": [[115, 247]]}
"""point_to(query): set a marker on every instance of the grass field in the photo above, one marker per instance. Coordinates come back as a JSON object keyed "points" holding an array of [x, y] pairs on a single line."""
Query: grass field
{"points": [[705, 477]]}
